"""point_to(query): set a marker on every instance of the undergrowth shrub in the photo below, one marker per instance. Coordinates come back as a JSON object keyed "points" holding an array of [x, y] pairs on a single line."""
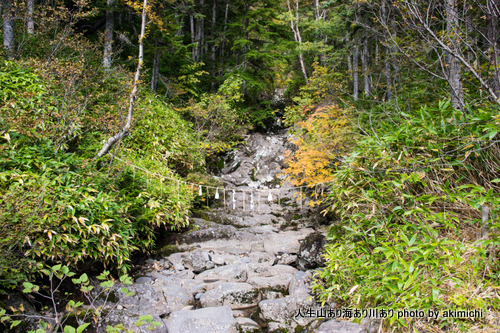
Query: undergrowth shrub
{"points": [[409, 197], [57, 204]]}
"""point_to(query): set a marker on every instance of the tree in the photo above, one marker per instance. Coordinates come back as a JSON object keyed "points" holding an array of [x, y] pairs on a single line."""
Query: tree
{"points": [[8, 28], [454, 75], [30, 4], [108, 36], [439, 26], [133, 94], [294, 25]]}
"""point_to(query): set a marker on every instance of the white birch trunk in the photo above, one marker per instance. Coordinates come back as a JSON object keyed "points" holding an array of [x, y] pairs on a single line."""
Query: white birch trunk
{"points": [[8, 28], [133, 94], [108, 37], [31, 23], [355, 74]]}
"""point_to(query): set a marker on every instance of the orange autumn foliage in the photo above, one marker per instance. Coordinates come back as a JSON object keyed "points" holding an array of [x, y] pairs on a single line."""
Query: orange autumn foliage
{"points": [[321, 139]]}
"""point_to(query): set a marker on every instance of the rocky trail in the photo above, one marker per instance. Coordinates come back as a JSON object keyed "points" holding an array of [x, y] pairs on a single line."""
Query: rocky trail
{"points": [[246, 269]]}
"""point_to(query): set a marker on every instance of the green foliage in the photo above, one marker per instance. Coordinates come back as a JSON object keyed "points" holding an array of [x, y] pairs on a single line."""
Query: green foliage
{"points": [[219, 121], [55, 207], [54, 204], [88, 314], [409, 197]]}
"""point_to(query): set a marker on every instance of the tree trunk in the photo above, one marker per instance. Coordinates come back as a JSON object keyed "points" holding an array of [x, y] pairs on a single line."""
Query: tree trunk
{"points": [[245, 47], [133, 94], [493, 8], [395, 60], [387, 70], [31, 23], [355, 75], [349, 56], [193, 37], [365, 59], [294, 25], [108, 37], [156, 68], [223, 43], [8, 28], [453, 62], [388, 73], [214, 12]]}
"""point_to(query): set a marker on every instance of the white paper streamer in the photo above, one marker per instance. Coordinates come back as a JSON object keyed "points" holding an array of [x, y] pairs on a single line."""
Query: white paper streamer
{"points": [[200, 193], [217, 193], [234, 200], [251, 201], [270, 196]]}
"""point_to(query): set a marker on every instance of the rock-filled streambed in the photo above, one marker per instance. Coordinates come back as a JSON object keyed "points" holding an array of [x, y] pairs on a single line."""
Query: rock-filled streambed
{"points": [[245, 265], [241, 269]]}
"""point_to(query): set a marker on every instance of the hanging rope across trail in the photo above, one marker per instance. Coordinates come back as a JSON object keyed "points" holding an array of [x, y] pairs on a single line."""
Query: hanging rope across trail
{"points": [[224, 189]]}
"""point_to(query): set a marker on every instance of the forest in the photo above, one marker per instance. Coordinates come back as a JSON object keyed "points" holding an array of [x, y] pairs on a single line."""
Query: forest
{"points": [[394, 104]]}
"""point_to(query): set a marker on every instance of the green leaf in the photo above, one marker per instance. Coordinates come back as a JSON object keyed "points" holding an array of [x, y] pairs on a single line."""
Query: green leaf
{"points": [[28, 287], [435, 294], [82, 327], [69, 329]]}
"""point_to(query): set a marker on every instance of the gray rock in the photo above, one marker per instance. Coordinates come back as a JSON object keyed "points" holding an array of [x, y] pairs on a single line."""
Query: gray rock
{"points": [[218, 259], [261, 258], [336, 326], [179, 266], [275, 310], [193, 286], [170, 280], [231, 273], [281, 269], [233, 294], [300, 283], [198, 261], [176, 258], [218, 231], [207, 320], [310, 252], [144, 280], [277, 283], [243, 260], [268, 294], [274, 327], [146, 299], [206, 256], [371, 325], [150, 261], [287, 259], [286, 310], [247, 325], [177, 298], [258, 247], [239, 313]]}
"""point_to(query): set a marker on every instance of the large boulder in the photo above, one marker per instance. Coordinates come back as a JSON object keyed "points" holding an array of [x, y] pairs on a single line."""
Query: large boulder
{"points": [[233, 294], [206, 320], [199, 261], [310, 251], [300, 283], [177, 298], [231, 273], [278, 283]]}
